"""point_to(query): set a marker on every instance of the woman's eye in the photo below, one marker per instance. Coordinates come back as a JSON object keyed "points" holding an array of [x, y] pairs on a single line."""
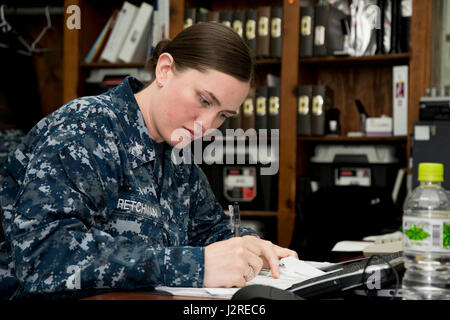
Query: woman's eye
{"points": [[204, 102], [223, 116]]}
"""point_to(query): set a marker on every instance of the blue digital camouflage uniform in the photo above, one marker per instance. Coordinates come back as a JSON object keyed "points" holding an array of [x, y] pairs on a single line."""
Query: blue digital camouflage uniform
{"points": [[87, 204]]}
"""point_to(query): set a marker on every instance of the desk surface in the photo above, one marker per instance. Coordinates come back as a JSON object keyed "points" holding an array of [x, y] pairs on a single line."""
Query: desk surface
{"points": [[143, 296]]}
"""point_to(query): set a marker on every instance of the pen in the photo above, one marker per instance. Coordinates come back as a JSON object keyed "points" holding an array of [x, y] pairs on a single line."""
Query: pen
{"points": [[235, 218]]}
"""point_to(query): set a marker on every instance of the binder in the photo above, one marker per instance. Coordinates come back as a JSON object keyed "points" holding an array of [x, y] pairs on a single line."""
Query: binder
{"points": [[306, 31], [250, 30], [380, 32], [226, 17], [248, 111], [136, 43], [273, 119], [239, 22], [189, 17], [261, 96], [400, 100], [321, 102], [395, 25], [236, 120], [225, 125], [276, 32], [405, 26], [201, 15], [120, 30], [213, 15], [328, 31], [304, 104], [263, 32]]}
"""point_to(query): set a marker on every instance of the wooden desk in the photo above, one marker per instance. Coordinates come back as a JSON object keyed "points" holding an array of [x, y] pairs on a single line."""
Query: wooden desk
{"points": [[143, 296]]}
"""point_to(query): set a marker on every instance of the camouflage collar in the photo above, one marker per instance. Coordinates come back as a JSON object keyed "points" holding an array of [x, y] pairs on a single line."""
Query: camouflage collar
{"points": [[138, 143]]}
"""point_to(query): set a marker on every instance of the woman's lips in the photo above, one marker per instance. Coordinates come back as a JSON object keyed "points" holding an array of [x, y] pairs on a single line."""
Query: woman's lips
{"points": [[191, 132]]}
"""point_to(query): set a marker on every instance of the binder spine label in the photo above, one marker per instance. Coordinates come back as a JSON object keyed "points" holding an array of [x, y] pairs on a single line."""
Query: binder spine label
{"points": [[188, 22], [250, 29], [306, 26], [317, 105], [261, 106], [248, 107], [263, 26], [276, 28], [319, 35], [237, 27], [303, 105], [274, 105]]}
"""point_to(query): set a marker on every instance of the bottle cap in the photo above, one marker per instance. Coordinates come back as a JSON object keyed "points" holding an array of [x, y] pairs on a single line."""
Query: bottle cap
{"points": [[431, 171]]}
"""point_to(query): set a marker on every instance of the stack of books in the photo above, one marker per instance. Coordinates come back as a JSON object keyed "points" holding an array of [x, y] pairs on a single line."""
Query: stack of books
{"points": [[260, 110], [261, 27], [131, 33], [314, 104]]}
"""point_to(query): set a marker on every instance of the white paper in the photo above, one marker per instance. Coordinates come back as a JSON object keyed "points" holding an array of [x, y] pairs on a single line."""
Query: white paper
{"points": [[292, 271], [350, 246]]}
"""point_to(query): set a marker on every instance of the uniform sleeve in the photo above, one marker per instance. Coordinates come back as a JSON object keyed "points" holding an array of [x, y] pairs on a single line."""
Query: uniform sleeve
{"points": [[57, 241], [208, 221]]}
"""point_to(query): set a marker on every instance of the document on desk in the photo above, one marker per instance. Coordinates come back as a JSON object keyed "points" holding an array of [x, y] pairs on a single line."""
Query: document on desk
{"points": [[292, 271]]}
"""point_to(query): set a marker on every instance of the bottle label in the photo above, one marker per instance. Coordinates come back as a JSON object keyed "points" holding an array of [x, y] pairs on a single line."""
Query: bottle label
{"points": [[426, 234]]}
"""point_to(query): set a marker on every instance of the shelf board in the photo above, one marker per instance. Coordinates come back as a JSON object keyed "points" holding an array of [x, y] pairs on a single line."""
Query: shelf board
{"points": [[256, 214], [267, 62], [386, 59], [353, 139]]}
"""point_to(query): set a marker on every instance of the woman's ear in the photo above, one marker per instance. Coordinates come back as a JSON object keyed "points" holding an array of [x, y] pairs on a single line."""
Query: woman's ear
{"points": [[163, 68]]}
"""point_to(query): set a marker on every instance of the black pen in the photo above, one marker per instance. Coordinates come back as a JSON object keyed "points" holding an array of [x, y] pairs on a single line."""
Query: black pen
{"points": [[235, 218]]}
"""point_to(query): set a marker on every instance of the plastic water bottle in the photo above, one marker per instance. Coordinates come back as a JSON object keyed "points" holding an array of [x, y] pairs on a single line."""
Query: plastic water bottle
{"points": [[426, 237]]}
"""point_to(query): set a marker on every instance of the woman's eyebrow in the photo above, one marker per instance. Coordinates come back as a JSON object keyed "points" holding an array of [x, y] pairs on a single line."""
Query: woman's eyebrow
{"points": [[217, 102], [213, 97]]}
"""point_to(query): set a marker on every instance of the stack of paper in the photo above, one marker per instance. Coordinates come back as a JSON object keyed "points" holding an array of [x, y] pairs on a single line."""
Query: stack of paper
{"points": [[292, 271]]}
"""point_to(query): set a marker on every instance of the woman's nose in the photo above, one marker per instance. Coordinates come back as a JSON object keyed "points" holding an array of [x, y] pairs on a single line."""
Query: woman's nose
{"points": [[206, 120]]}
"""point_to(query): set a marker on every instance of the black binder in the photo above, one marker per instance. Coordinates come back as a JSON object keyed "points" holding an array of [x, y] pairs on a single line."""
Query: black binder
{"points": [[328, 30], [201, 15], [226, 17], [380, 32], [395, 26], [189, 17], [273, 119], [263, 32], [321, 102], [238, 24], [236, 120], [213, 15], [306, 31], [276, 31], [250, 29], [304, 104], [248, 111], [261, 108]]}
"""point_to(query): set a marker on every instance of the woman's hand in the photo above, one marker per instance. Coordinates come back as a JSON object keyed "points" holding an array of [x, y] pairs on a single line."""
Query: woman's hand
{"points": [[233, 262]]}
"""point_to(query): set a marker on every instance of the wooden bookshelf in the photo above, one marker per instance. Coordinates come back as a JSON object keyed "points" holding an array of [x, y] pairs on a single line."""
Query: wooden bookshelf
{"points": [[256, 214]]}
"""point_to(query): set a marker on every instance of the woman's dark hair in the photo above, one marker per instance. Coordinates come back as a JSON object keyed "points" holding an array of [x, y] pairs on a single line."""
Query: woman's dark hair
{"points": [[208, 45]]}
